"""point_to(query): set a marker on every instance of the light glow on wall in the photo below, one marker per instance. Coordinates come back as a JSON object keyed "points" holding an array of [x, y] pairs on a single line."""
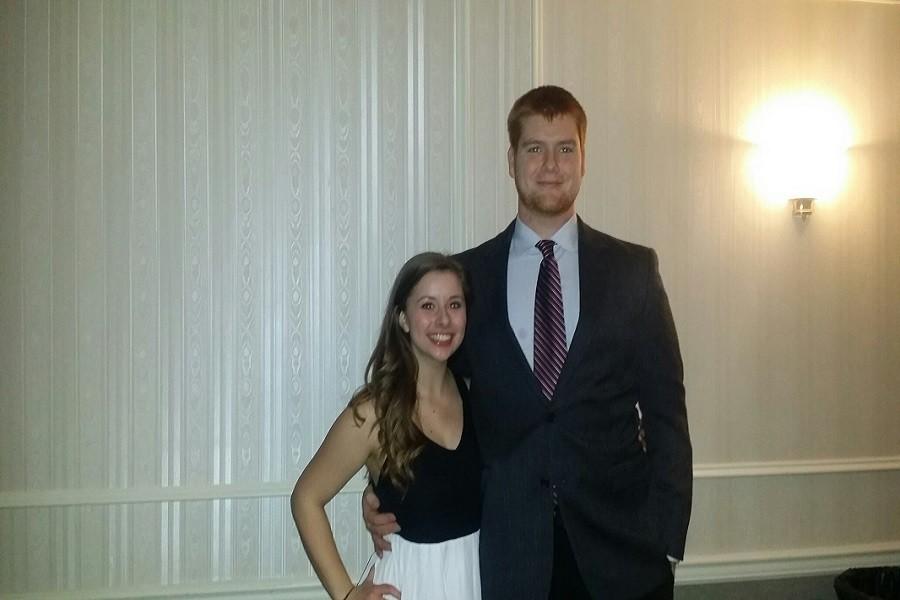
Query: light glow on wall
{"points": [[801, 140]]}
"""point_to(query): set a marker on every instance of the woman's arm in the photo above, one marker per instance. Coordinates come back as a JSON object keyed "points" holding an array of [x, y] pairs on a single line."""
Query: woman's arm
{"points": [[344, 451]]}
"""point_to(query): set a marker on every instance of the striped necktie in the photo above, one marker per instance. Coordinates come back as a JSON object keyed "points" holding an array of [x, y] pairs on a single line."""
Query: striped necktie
{"points": [[549, 322]]}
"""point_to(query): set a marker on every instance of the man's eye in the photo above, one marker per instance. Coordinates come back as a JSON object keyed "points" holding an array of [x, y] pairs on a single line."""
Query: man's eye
{"points": [[567, 149], [533, 149]]}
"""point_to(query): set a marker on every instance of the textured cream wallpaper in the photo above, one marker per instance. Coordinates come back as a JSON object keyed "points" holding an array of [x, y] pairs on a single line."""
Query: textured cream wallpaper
{"points": [[201, 205], [790, 332]]}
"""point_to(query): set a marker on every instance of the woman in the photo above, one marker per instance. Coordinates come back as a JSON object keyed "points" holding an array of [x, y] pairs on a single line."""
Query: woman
{"points": [[410, 426]]}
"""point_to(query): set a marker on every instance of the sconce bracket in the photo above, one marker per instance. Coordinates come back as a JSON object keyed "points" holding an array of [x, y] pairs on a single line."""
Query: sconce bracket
{"points": [[802, 207]]}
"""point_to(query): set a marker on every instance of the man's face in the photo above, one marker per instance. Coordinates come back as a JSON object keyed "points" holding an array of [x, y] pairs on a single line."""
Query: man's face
{"points": [[547, 165]]}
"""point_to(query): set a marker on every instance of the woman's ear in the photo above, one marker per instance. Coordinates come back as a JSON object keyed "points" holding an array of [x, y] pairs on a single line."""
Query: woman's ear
{"points": [[401, 319]]}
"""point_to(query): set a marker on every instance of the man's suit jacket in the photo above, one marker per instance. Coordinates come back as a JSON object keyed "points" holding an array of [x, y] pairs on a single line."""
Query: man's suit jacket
{"points": [[625, 508]]}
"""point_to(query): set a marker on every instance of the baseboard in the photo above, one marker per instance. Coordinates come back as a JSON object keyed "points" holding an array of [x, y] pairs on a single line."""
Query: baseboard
{"points": [[275, 589], [779, 564]]}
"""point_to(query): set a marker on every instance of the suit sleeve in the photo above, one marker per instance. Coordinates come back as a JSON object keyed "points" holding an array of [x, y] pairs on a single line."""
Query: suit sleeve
{"points": [[660, 377]]}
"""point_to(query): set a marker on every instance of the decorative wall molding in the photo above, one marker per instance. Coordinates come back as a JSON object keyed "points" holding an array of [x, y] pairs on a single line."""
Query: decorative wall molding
{"points": [[777, 564], [796, 467], [138, 495], [144, 495], [152, 495]]}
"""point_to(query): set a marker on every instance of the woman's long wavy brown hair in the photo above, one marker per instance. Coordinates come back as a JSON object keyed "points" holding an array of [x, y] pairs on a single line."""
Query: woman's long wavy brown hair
{"points": [[392, 371]]}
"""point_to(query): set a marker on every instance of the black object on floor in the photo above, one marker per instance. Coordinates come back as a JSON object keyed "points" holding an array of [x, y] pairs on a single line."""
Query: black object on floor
{"points": [[877, 583]]}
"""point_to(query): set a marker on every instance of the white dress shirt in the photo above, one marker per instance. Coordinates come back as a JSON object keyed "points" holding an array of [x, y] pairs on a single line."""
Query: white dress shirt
{"points": [[521, 281]]}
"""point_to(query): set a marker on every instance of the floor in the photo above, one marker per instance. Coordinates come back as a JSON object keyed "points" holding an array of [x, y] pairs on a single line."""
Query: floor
{"points": [[806, 588]]}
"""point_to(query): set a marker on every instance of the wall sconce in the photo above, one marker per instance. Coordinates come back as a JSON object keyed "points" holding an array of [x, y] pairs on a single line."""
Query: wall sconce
{"points": [[800, 142], [802, 207]]}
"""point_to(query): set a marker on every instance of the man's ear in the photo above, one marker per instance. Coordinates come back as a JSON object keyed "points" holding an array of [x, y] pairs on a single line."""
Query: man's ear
{"points": [[511, 161], [583, 169], [401, 319]]}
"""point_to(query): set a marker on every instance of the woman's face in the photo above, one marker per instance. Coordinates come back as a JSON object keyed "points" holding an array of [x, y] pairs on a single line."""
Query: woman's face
{"points": [[435, 316]]}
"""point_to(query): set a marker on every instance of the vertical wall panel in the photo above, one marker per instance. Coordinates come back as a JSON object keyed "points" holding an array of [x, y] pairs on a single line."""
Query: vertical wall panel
{"points": [[493, 86], [36, 248], [389, 165], [223, 293], [117, 202], [249, 210], [170, 185], [36, 228], [63, 152], [92, 422], [13, 439], [295, 163], [439, 202], [196, 425], [271, 441], [12, 363], [144, 431], [345, 229], [12, 299]]}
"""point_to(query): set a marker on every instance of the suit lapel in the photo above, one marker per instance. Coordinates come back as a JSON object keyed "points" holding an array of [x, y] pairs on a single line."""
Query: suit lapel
{"points": [[592, 278]]}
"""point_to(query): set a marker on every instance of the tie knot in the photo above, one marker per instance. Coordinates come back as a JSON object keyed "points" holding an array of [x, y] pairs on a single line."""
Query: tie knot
{"points": [[546, 248]]}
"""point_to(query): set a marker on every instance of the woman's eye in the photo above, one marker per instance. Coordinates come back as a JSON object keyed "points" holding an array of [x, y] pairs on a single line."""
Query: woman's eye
{"points": [[427, 305]]}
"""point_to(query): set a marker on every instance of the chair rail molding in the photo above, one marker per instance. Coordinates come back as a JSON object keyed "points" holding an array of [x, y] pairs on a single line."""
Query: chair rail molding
{"points": [[142, 495], [796, 467]]}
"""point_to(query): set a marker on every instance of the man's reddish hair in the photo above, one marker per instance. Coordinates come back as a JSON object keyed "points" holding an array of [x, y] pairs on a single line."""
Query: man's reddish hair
{"points": [[549, 101]]}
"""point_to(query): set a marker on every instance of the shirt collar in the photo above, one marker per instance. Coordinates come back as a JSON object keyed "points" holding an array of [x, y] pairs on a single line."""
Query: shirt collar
{"points": [[524, 238]]}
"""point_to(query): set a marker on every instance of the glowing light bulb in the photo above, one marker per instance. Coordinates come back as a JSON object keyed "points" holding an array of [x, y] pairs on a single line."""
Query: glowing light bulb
{"points": [[801, 142]]}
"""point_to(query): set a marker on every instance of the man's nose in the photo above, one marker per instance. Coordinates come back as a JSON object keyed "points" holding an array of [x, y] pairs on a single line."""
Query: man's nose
{"points": [[550, 162]]}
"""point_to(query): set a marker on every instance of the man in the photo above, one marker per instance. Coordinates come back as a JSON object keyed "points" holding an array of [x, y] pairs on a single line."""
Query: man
{"points": [[577, 394]]}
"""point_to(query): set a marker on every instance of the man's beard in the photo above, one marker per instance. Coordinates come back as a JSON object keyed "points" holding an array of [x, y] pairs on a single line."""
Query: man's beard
{"points": [[547, 204]]}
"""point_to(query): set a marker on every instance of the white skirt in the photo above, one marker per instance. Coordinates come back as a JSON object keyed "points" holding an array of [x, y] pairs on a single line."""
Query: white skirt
{"points": [[442, 571]]}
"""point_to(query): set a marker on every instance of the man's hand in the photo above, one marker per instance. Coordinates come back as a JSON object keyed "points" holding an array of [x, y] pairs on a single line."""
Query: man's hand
{"points": [[378, 524]]}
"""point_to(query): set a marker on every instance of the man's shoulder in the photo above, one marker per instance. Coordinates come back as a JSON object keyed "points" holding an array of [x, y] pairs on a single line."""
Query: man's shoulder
{"points": [[495, 246], [591, 239], [467, 257]]}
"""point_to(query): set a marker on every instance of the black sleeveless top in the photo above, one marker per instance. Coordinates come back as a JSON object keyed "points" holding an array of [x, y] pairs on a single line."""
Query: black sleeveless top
{"points": [[443, 502]]}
